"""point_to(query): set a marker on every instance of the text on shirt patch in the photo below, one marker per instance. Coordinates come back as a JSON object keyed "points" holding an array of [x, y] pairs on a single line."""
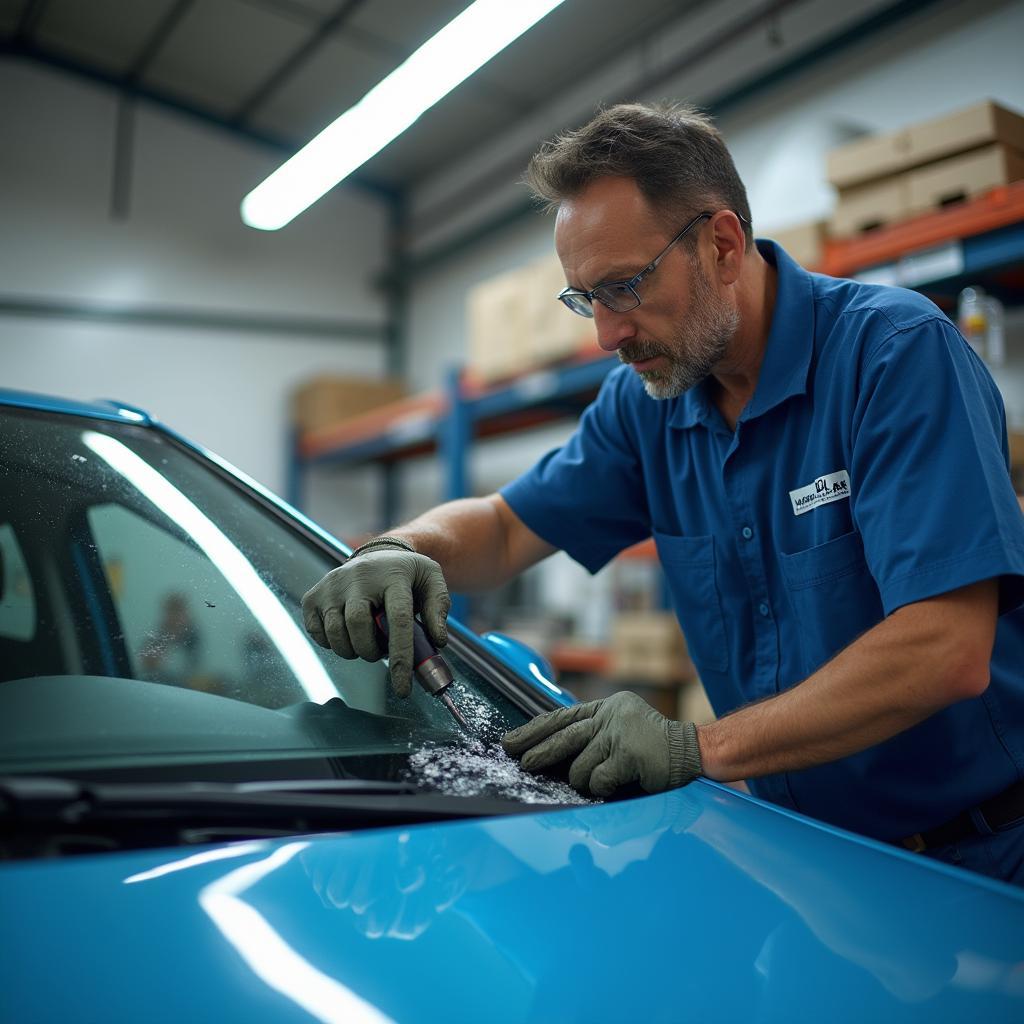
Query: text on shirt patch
{"points": [[833, 487]]}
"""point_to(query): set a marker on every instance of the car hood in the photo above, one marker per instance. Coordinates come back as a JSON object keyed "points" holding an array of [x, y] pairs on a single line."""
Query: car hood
{"points": [[700, 904]]}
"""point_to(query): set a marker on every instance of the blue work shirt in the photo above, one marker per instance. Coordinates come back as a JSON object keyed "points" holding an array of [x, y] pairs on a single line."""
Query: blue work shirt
{"points": [[869, 470]]}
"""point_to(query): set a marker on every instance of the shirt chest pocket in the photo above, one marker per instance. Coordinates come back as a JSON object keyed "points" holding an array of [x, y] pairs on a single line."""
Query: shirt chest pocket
{"points": [[833, 595], [689, 566]]}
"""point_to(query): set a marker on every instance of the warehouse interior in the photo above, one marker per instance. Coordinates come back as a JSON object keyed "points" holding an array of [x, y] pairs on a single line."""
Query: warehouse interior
{"points": [[133, 129]]}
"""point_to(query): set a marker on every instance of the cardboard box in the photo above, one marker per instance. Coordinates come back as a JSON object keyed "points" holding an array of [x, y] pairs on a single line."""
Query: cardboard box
{"points": [[649, 646], [804, 242], [869, 158], [1016, 439], [516, 324], [499, 326], [879, 156], [962, 177], [693, 704], [556, 333], [976, 126], [326, 400], [870, 206]]}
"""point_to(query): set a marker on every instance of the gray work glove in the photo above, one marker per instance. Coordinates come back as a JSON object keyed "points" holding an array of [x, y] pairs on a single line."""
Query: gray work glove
{"points": [[384, 573], [615, 741]]}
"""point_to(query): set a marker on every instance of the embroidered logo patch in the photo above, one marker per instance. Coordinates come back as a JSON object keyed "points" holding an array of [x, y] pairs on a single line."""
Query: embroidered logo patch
{"points": [[833, 487]]}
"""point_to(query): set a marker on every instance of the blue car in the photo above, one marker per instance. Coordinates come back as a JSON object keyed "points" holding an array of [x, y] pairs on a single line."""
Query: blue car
{"points": [[206, 817]]}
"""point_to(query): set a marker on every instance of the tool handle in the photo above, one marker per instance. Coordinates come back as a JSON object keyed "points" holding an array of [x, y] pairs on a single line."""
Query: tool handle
{"points": [[422, 648]]}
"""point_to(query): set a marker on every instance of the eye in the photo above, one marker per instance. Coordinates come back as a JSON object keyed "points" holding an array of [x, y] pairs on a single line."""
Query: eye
{"points": [[617, 296]]}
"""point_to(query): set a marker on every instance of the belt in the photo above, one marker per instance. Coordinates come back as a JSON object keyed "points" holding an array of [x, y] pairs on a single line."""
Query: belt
{"points": [[997, 811]]}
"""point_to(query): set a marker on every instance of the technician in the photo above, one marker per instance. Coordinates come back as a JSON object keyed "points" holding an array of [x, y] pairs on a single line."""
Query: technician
{"points": [[823, 466]]}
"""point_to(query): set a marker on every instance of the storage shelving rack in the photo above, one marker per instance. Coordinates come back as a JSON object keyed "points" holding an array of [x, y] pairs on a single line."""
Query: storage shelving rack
{"points": [[979, 241]]}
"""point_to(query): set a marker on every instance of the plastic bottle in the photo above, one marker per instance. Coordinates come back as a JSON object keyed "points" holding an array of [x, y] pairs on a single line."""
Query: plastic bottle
{"points": [[972, 318], [995, 339]]}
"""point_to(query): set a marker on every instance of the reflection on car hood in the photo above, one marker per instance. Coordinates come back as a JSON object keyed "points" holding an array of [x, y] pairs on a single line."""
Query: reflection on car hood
{"points": [[699, 904]]}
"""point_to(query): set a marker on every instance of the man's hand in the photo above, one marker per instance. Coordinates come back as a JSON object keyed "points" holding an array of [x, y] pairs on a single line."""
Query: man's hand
{"points": [[338, 612], [614, 741]]}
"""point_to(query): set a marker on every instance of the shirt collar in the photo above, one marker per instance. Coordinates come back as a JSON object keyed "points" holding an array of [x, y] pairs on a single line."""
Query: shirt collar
{"points": [[787, 357]]}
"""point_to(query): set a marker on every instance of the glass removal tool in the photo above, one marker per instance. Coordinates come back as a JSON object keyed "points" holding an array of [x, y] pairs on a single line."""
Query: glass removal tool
{"points": [[429, 667]]}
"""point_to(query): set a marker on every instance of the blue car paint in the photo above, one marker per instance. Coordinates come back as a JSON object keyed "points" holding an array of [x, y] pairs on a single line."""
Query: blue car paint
{"points": [[104, 409], [700, 904], [532, 666]]}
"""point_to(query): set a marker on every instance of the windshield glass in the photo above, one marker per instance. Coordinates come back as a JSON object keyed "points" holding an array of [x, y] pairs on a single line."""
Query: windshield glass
{"points": [[150, 624]]}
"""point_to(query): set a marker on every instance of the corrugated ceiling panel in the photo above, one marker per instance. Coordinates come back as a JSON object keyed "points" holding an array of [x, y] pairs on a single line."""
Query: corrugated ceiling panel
{"points": [[334, 77], [439, 136], [108, 34], [565, 46], [10, 15], [222, 51], [403, 24]]}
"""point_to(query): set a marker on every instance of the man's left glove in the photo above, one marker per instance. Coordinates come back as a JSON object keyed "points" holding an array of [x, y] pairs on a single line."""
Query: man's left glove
{"points": [[614, 741]]}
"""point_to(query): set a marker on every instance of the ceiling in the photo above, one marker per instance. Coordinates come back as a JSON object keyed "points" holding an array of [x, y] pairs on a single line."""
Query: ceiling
{"points": [[281, 70]]}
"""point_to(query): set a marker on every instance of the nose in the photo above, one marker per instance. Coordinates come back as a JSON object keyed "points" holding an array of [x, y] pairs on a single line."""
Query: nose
{"points": [[613, 329]]}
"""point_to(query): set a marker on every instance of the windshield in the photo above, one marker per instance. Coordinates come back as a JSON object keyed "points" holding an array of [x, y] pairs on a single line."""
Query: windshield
{"points": [[150, 625]]}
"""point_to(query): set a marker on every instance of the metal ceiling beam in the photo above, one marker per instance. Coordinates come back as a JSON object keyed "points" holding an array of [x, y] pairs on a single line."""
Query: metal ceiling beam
{"points": [[155, 43], [31, 14], [124, 130], [291, 65], [170, 316], [716, 106], [30, 51]]}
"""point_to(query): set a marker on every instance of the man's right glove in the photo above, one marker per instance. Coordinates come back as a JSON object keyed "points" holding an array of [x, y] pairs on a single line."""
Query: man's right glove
{"points": [[384, 573]]}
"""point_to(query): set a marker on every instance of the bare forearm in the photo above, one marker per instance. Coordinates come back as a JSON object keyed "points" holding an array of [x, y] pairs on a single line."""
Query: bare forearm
{"points": [[474, 543], [899, 673]]}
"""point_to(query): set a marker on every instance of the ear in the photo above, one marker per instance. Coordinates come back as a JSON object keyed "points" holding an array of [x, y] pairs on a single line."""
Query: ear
{"points": [[730, 244]]}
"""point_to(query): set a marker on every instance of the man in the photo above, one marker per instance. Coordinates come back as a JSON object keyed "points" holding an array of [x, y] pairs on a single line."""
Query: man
{"points": [[823, 466]]}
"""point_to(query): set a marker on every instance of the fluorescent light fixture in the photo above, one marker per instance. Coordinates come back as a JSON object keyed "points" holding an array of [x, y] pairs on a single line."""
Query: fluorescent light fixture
{"points": [[290, 641], [465, 44]]}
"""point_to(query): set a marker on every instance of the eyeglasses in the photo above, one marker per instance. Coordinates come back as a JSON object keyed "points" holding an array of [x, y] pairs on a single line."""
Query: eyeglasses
{"points": [[621, 296]]}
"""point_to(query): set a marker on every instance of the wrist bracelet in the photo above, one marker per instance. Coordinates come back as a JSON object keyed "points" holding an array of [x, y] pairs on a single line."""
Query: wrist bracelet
{"points": [[385, 541]]}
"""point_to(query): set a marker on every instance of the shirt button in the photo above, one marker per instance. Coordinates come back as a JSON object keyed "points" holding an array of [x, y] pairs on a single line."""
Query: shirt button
{"points": [[763, 609], [747, 533]]}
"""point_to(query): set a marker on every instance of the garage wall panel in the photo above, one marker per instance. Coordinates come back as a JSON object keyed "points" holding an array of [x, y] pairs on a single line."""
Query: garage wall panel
{"points": [[182, 247]]}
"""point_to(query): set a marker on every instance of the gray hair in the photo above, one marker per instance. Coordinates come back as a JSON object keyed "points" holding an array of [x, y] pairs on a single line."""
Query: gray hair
{"points": [[672, 151]]}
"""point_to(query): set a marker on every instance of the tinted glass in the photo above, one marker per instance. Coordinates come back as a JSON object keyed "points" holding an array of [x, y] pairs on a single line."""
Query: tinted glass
{"points": [[150, 616]]}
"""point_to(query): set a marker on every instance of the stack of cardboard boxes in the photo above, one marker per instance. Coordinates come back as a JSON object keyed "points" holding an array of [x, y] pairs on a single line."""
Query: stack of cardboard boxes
{"points": [[515, 325], [327, 400], [883, 179], [886, 178]]}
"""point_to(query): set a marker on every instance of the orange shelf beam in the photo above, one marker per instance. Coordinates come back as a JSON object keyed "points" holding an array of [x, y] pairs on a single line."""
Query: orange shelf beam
{"points": [[996, 209], [586, 660], [372, 424]]}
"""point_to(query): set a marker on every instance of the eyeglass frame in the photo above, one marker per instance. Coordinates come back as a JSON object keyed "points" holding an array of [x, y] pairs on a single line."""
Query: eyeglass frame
{"points": [[631, 283]]}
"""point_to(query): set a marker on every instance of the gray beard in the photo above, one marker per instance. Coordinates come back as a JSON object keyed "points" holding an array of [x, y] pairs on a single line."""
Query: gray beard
{"points": [[694, 350]]}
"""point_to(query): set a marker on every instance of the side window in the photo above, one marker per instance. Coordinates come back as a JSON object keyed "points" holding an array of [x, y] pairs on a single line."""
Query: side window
{"points": [[17, 597]]}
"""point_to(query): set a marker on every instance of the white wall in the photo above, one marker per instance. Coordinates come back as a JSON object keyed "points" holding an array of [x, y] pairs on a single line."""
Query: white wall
{"points": [[182, 246]]}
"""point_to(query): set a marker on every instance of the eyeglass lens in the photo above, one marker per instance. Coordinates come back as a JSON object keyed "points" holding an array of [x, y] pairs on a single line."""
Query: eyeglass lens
{"points": [[618, 297]]}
